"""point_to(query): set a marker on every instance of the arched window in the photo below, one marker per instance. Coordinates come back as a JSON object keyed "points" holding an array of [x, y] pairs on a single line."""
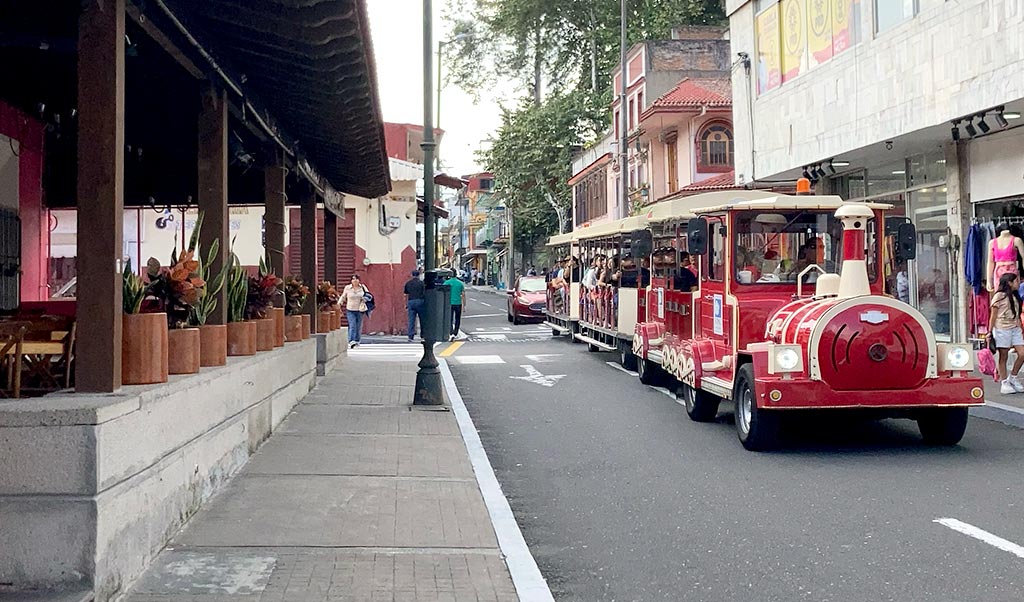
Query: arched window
{"points": [[716, 145]]}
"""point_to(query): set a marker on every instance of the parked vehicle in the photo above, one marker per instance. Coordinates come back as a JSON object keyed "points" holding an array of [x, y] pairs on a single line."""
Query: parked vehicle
{"points": [[527, 300]]}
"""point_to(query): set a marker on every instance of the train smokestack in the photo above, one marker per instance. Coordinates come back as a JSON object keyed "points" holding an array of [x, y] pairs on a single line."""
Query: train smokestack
{"points": [[853, 281]]}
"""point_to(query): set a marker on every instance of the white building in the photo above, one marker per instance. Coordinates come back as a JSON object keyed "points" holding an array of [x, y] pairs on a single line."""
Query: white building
{"points": [[875, 89]]}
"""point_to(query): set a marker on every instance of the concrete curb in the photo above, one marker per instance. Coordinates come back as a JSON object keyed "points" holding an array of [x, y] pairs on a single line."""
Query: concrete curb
{"points": [[998, 412], [487, 289], [526, 576]]}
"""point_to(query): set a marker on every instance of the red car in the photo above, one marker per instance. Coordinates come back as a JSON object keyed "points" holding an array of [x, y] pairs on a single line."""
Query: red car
{"points": [[528, 299]]}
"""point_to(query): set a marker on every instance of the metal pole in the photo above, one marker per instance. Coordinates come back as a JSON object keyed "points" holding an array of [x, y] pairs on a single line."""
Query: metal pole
{"points": [[623, 119], [428, 377]]}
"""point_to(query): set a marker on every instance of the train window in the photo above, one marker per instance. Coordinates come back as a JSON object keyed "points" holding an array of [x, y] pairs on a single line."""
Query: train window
{"points": [[714, 259]]}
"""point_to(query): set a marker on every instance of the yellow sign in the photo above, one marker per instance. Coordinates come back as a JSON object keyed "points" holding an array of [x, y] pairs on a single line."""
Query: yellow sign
{"points": [[845, 21], [769, 50], [794, 43], [819, 31]]}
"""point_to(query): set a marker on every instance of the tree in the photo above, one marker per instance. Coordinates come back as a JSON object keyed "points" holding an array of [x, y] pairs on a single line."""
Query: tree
{"points": [[574, 42], [531, 157]]}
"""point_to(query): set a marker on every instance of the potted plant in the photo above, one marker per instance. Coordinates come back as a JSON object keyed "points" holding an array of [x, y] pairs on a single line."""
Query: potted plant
{"points": [[326, 300], [295, 293], [241, 333], [262, 290], [143, 336], [277, 311], [176, 289], [213, 338]]}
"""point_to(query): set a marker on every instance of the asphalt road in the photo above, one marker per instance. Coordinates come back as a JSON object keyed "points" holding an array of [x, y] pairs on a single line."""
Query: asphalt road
{"points": [[622, 498]]}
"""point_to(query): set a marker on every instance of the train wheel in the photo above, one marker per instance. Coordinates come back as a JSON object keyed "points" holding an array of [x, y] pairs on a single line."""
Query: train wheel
{"points": [[593, 348], [555, 332], [757, 428], [944, 426], [701, 406], [626, 357], [647, 371]]}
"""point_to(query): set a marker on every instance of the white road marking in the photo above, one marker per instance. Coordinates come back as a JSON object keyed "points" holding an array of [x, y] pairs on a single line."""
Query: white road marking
{"points": [[480, 359], [982, 535], [526, 576], [388, 351], [543, 358], [487, 304], [483, 316], [621, 369], [493, 337], [534, 376]]}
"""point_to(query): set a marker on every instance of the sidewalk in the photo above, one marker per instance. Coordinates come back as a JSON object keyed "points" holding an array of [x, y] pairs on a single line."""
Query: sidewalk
{"points": [[359, 497], [486, 289]]}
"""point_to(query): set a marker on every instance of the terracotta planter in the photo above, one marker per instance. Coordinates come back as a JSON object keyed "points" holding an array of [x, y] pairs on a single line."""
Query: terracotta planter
{"points": [[241, 338], [293, 326], [264, 334], [144, 349], [325, 323], [183, 351], [307, 326], [278, 327], [337, 319], [213, 345]]}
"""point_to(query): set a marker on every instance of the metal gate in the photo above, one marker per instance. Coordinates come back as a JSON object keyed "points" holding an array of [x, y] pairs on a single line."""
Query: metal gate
{"points": [[10, 258]]}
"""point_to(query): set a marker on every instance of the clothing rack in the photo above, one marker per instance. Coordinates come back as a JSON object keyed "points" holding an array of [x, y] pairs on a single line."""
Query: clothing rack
{"points": [[998, 220]]}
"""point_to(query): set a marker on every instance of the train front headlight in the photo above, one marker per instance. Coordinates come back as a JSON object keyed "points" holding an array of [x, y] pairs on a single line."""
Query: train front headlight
{"points": [[783, 359], [955, 358]]}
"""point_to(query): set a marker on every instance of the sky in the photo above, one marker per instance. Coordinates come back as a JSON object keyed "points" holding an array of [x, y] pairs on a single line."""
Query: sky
{"points": [[397, 30]]}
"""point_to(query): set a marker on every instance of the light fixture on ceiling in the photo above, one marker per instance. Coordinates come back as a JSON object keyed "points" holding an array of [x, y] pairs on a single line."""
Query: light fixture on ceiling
{"points": [[806, 174], [899, 172], [1011, 114], [819, 172], [1001, 119], [970, 129], [983, 125], [839, 163], [956, 130], [831, 168]]}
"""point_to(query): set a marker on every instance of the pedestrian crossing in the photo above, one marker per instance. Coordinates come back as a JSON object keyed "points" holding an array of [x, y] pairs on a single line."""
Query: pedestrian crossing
{"points": [[507, 334], [395, 352]]}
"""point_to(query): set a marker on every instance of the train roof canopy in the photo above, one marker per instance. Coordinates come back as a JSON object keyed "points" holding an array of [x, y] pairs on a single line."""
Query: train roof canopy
{"points": [[561, 239], [685, 207], [778, 202]]}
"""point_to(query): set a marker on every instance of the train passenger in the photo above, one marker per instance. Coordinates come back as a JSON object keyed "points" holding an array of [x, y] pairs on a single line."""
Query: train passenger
{"points": [[684, 278]]}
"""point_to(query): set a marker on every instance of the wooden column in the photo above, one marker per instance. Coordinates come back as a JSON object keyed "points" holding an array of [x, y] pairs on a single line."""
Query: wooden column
{"points": [[309, 245], [331, 249], [273, 199], [101, 31], [213, 186]]}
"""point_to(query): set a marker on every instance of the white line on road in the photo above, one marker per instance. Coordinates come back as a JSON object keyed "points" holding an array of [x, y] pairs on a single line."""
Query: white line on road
{"points": [[483, 316], [621, 369], [982, 535], [542, 358], [487, 304], [480, 359], [526, 576]]}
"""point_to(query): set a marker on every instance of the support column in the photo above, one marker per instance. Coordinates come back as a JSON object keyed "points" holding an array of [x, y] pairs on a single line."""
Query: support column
{"points": [[309, 245], [273, 198], [959, 213], [101, 31], [213, 187], [331, 248]]}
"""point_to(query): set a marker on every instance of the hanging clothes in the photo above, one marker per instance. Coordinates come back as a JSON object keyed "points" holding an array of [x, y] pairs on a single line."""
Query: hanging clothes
{"points": [[979, 312], [974, 259]]}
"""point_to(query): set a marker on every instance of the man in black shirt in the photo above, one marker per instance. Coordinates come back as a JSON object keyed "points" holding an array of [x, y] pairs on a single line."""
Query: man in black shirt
{"points": [[416, 302]]}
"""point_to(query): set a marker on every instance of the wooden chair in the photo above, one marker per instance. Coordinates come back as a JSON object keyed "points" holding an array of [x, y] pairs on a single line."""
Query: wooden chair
{"points": [[50, 343], [12, 337]]}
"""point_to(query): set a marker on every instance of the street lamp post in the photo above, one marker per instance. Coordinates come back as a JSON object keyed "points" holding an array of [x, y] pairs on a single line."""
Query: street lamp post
{"points": [[428, 377], [623, 118]]}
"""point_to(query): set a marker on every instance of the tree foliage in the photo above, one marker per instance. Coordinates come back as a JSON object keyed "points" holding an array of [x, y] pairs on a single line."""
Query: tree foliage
{"points": [[560, 53], [532, 152]]}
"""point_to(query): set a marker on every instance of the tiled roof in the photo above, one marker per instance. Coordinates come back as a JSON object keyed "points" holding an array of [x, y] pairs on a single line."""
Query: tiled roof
{"points": [[697, 93], [719, 182]]}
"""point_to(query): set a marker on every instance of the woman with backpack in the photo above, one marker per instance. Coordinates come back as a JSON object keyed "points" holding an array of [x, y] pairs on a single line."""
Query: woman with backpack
{"points": [[358, 302], [1005, 330]]}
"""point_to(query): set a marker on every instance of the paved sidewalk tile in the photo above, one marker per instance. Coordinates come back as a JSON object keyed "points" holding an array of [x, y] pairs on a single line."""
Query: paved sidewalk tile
{"points": [[366, 455], [326, 576], [357, 497], [353, 420]]}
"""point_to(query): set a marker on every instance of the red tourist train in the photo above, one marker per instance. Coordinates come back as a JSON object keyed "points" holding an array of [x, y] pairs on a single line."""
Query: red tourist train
{"points": [[785, 312]]}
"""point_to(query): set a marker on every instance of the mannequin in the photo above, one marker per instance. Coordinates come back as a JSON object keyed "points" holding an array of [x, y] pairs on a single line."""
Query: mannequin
{"points": [[1004, 253]]}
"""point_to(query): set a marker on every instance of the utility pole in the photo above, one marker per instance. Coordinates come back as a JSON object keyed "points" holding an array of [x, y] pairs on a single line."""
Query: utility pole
{"points": [[428, 377], [623, 119]]}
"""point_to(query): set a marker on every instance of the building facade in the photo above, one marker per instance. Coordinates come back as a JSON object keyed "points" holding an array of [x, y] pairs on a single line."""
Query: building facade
{"points": [[679, 122], [483, 237], [912, 103]]}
